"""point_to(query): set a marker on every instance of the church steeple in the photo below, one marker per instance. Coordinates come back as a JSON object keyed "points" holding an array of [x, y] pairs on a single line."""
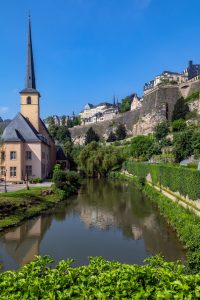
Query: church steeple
{"points": [[30, 97], [30, 70]]}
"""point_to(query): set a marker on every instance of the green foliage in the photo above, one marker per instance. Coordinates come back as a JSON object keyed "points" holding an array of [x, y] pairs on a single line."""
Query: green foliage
{"points": [[120, 132], [36, 180], [191, 115], [96, 160], [179, 125], [183, 144], [193, 96], [112, 137], [180, 110], [125, 104], [66, 183], [185, 181], [161, 130], [100, 279], [63, 134], [91, 136], [142, 147], [60, 133], [192, 165], [195, 143], [184, 222]]}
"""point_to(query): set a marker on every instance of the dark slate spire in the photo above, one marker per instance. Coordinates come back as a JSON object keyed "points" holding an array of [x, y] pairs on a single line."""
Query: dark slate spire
{"points": [[30, 72]]}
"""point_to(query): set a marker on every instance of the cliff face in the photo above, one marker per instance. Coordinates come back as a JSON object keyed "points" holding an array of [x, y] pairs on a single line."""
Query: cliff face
{"points": [[157, 106]]}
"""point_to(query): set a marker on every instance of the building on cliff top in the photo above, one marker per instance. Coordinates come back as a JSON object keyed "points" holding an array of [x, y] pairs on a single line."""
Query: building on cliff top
{"points": [[98, 113], [167, 77], [27, 148]]}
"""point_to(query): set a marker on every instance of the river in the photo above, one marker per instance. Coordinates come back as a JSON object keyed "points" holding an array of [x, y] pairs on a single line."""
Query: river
{"points": [[107, 218]]}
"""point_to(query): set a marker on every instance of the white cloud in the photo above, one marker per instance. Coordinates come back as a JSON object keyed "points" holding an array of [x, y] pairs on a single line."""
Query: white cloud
{"points": [[3, 109]]}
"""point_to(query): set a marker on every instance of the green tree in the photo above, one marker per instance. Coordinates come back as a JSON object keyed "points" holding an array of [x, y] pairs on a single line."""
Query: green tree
{"points": [[91, 136], [63, 134], [183, 144], [196, 143], [140, 146], [125, 104], [112, 137], [120, 132], [179, 125], [180, 109], [161, 130], [97, 160]]}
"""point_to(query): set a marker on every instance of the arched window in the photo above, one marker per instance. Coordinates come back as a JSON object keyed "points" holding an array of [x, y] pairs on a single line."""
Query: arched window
{"points": [[28, 100]]}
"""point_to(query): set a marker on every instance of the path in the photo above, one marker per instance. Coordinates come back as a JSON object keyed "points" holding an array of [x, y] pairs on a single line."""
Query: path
{"points": [[16, 187]]}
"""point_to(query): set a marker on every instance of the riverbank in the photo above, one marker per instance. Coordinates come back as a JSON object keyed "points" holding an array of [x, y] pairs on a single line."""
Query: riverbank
{"points": [[18, 206], [183, 221]]}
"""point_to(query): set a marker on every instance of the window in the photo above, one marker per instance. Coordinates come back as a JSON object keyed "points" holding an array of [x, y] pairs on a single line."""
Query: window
{"points": [[28, 155], [28, 100], [2, 171], [28, 170], [12, 155], [3, 155], [13, 171]]}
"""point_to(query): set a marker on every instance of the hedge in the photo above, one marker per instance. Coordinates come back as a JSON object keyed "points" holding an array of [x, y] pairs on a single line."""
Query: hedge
{"points": [[177, 179]]}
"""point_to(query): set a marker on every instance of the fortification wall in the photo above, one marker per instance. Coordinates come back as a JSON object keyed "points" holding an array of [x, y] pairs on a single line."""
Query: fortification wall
{"points": [[157, 106]]}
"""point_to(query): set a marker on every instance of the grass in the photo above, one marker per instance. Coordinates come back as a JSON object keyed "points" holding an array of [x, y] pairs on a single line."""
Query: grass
{"points": [[24, 204]]}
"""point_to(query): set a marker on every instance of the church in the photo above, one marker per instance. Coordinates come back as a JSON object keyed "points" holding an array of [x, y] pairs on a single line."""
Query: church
{"points": [[27, 147]]}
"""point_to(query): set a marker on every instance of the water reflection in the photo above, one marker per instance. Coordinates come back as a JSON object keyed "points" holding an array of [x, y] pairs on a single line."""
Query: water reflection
{"points": [[106, 218]]}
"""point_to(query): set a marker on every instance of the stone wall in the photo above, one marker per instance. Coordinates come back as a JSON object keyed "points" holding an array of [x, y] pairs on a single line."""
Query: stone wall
{"points": [[157, 106]]}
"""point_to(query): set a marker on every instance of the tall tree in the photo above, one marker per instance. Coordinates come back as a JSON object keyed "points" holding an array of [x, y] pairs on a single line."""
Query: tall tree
{"points": [[91, 136], [121, 132], [161, 130]]}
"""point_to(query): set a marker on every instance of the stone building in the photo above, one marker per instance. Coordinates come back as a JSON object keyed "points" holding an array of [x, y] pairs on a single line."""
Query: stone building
{"points": [[27, 149], [136, 102], [192, 70], [97, 113]]}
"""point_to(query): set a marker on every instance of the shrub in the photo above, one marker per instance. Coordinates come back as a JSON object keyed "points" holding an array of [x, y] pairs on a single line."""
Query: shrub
{"points": [[193, 96], [112, 137], [192, 165], [178, 125], [120, 132], [65, 183], [161, 130], [36, 180], [140, 147]]}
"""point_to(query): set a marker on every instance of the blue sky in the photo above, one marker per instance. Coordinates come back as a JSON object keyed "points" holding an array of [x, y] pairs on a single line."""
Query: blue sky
{"points": [[89, 50]]}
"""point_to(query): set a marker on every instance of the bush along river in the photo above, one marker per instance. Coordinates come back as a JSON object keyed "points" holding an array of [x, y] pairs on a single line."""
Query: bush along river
{"points": [[107, 218]]}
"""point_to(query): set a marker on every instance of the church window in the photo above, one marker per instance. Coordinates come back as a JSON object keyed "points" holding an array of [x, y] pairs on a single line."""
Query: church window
{"points": [[28, 155], [12, 155], [28, 170], [13, 171], [28, 100]]}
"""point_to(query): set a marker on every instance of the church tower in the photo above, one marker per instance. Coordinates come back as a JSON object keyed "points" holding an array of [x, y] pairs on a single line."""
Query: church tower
{"points": [[30, 97]]}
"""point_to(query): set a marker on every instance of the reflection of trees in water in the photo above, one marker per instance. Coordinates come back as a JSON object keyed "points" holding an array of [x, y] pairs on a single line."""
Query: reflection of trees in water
{"points": [[104, 203]]}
